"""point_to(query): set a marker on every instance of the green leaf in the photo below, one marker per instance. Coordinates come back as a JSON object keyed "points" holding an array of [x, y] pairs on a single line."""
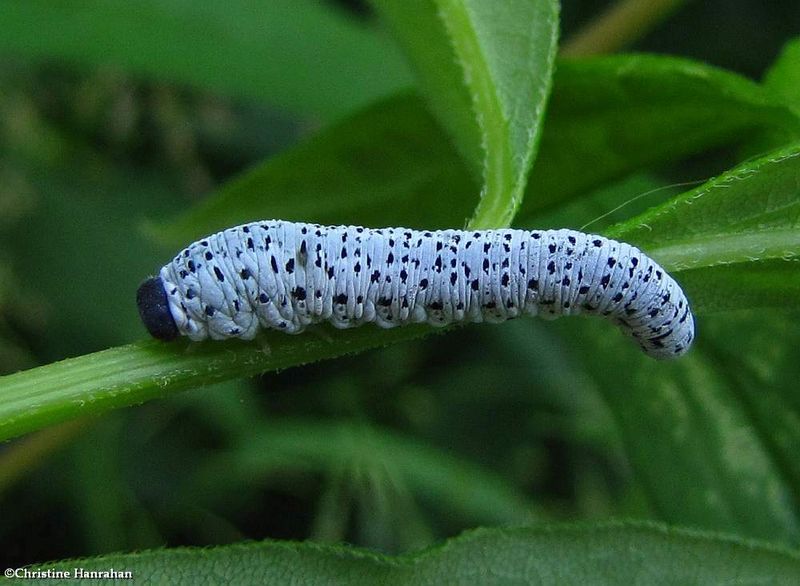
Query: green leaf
{"points": [[486, 72], [747, 220], [609, 116], [749, 213], [772, 283], [379, 167], [692, 443], [581, 554], [763, 375], [454, 485], [783, 78], [299, 55]]}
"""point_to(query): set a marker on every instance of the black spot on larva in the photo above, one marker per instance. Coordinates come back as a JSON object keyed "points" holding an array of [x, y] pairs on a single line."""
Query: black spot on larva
{"points": [[552, 248], [318, 294], [565, 281], [504, 264], [360, 299], [423, 284], [390, 259], [236, 305], [467, 270], [210, 311], [303, 249], [536, 235], [403, 275], [344, 236], [208, 255], [330, 272], [318, 262], [653, 312], [583, 290], [263, 298], [190, 293], [183, 274], [341, 299], [617, 298], [460, 305], [598, 243], [474, 285], [274, 262], [453, 262], [453, 278], [611, 261], [404, 259], [357, 267], [190, 266], [290, 266], [504, 280], [299, 293], [571, 239], [605, 281], [245, 274], [438, 246], [218, 273], [375, 276], [204, 243], [486, 265], [506, 247], [659, 274], [153, 305], [343, 254], [533, 284], [487, 246], [551, 267]]}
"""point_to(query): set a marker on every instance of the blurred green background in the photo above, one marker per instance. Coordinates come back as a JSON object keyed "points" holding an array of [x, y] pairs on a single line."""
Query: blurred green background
{"points": [[392, 449]]}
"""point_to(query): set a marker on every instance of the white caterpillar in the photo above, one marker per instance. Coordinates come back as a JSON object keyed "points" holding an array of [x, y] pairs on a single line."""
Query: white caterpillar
{"points": [[284, 276]]}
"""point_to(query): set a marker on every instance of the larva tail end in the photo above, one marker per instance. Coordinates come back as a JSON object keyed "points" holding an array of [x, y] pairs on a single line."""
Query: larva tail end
{"points": [[151, 298]]}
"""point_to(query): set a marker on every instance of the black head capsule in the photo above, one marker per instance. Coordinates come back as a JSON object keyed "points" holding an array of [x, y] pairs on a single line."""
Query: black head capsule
{"points": [[151, 299]]}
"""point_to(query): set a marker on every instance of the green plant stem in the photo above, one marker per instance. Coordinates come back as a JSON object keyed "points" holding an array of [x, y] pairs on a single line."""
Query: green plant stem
{"points": [[131, 374], [619, 26], [29, 453]]}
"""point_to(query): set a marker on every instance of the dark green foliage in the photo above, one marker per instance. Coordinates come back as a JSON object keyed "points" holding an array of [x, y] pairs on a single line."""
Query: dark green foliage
{"points": [[416, 437]]}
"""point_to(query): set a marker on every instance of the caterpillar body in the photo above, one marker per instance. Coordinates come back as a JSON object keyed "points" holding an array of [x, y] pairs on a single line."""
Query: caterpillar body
{"points": [[285, 276]]}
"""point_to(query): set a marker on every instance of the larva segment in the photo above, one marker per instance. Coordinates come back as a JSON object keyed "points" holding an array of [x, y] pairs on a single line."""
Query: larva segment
{"points": [[286, 276]]}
